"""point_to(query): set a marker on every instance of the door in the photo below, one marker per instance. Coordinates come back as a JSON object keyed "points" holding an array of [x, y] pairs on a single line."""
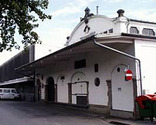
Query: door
{"points": [[13, 93], [6, 94], [79, 89], [122, 91], [80, 93], [51, 89]]}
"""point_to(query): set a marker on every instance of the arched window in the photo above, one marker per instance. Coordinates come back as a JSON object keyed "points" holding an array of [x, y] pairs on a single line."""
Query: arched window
{"points": [[148, 32], [134, 30]]}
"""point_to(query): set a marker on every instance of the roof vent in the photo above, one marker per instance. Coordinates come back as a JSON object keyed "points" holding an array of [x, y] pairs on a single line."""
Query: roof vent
{"points": [[120, 12]]}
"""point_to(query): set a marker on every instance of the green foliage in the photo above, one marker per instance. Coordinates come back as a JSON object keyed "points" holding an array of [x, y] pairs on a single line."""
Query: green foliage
{"points": [[19, 15]]}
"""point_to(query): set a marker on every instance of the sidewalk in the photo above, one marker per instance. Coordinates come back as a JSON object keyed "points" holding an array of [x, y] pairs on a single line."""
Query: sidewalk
{"points": [[122, 121], [112, 120], [119, 121]]}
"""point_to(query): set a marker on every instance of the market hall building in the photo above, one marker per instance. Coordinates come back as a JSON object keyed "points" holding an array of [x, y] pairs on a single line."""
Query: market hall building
{"points": [[91, 70], [22, 81]]}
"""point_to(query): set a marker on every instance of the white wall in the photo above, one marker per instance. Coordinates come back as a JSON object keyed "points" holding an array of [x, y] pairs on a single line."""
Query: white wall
{"points": [[140, 26], [122, 96], [42, 50], [146, 51], [97, 24], [106, 60]]}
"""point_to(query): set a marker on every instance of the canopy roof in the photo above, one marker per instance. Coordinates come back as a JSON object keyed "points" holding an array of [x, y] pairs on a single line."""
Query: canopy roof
{"points": [[83, 46]]}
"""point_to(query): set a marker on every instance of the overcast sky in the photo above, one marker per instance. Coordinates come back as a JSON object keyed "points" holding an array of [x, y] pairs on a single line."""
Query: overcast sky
{"points": [[66, 15]]}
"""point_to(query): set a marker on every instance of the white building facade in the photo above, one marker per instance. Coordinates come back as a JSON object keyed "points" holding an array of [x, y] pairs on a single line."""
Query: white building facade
{"points": [[90, 70]]}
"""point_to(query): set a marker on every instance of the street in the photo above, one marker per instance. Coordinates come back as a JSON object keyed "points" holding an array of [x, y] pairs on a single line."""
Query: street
{"points": [[33, 113]]}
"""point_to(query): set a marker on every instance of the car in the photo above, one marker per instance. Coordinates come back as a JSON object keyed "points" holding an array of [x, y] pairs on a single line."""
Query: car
{"points": [[9, 93]]}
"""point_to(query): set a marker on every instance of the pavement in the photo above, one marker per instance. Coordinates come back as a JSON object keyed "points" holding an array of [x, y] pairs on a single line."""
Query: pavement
{"points": [[33, 113]]}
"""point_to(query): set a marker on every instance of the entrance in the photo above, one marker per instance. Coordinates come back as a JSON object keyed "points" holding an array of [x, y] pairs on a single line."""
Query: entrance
{"points": [[78, 89], [80, 93], [122, 90], [51, 89]]}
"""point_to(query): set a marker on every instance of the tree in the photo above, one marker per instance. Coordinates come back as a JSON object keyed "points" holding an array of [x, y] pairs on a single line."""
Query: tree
{"points": [[19, 15]]}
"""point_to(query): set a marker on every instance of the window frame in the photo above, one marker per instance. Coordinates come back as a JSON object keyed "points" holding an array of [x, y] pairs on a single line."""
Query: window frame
{"points": [[6, 91], [134, 29], [148, 31]]}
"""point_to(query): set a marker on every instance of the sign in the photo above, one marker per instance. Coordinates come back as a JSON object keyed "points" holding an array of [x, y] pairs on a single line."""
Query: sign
{"points": [[128, 75]]}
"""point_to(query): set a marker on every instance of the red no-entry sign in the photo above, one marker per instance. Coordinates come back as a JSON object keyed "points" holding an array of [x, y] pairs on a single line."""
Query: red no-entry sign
{"points": [[128, 75]]}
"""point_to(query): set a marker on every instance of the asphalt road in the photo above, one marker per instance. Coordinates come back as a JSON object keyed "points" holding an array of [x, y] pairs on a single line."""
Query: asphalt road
{"points": [[31, 113]]}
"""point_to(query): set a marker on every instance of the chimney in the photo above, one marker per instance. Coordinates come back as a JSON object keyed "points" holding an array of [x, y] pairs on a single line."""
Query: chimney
{"points": [[120, 12]]}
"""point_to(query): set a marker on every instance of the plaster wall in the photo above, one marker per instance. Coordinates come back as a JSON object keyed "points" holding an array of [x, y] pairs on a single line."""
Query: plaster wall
{"points": [[145, 51], [140, 26], [106, 60], [97, 24]]}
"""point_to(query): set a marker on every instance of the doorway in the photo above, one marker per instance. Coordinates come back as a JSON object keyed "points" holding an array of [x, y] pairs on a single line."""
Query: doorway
{"points": [[122, 90], [78, 89], [51, 89], [80, 93]]}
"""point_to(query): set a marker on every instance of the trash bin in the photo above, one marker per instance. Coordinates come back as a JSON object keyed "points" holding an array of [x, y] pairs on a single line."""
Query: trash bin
{"points": [[145, 106], [154, 105]]}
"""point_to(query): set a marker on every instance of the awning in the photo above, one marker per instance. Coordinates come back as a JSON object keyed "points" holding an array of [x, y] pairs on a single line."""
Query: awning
{"points": [[115, 41], [64, 54], [14, 81]]}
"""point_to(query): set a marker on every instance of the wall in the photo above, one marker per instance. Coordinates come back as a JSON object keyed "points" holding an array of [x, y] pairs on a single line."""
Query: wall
{"points": [[145, 51], [104, 24], [106, 61], [141, 25], [7, 70]]}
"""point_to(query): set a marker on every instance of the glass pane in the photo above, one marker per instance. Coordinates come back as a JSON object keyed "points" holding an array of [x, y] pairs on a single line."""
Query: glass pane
{"points": [[6, 91], [13, 91]]}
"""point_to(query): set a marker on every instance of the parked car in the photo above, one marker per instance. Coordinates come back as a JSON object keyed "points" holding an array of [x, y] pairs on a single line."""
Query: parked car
{"points": [[9, 93]]}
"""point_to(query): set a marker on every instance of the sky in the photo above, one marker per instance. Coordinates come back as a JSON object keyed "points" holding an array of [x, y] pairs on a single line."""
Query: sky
{"points": [[66, 15]]}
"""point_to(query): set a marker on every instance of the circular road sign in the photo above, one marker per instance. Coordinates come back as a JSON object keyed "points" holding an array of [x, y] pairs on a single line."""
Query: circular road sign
{"points": [[128, 75]]}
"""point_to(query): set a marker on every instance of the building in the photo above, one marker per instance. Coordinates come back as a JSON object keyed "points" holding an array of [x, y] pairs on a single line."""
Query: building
{"points": [[22, 81], [90, 71]]}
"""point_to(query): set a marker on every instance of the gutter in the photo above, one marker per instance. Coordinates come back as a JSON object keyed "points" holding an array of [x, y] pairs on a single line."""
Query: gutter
{"points": [[124, 54]]}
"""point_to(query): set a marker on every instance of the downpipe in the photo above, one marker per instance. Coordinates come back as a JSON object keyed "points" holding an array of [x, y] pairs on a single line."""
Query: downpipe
{"points": [[124, 54]]}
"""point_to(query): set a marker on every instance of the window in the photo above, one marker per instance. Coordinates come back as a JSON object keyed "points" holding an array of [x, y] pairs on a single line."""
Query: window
{"points": [[110, 30], [62, 78], [105, 32], [13, 91], [134, 30], [0, 90], [148, 32], [118, 69], [6, 91], [97, 82], [80, 64], [96, 67]]}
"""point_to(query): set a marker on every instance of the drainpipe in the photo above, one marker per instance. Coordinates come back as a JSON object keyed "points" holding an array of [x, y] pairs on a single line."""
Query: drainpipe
{"points": [[124, 54]]}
